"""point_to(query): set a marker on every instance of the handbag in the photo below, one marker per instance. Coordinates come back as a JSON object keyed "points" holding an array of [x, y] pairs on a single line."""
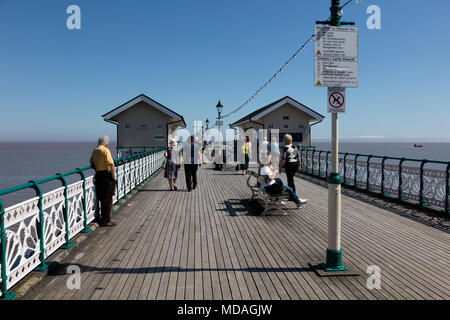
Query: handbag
{"points": [[275, 188]]}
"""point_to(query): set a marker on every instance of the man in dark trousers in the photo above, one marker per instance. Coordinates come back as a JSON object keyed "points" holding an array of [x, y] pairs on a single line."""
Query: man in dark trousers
{"points": [[191, 162], [105, 179]]}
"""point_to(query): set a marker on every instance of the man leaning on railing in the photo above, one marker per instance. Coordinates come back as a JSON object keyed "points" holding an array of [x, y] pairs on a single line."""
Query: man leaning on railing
{"points": [[105, 179]]}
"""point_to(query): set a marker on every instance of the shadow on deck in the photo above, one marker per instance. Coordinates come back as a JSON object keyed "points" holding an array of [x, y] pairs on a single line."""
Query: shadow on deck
{"points": [[213, 244]]}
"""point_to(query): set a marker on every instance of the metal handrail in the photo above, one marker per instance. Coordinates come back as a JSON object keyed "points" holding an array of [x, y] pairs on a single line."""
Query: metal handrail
{"points": [[384, 189]]}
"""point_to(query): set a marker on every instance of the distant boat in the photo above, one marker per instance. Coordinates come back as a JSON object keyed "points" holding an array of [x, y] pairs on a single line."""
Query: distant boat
{"points": [[418, 146]]}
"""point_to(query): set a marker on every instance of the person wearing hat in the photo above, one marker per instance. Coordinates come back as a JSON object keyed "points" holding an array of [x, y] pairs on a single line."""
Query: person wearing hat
{"points": [[172, 164]]}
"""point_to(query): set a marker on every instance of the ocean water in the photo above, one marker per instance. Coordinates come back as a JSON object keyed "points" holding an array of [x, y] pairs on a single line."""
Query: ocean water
{"points": [[21, 162], [430, 151]]}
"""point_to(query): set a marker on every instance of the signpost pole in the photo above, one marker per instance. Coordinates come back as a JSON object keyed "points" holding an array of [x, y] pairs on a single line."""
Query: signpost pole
{"points": [[334, 253]]}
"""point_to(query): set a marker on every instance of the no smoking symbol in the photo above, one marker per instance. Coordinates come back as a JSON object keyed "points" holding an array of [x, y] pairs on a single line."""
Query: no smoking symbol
{"points": [[336, 100]]}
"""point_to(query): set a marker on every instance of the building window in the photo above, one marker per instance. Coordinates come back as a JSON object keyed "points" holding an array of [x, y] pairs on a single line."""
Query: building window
{"points": [[143, 126], [270, 126], [159, 126], [285, 117], [127, 125], [300, 126], [296, 137], [285, 126]]}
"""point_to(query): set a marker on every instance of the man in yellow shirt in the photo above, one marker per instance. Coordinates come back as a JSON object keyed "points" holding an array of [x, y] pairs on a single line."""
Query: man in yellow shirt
{"points": [[105, 179]]}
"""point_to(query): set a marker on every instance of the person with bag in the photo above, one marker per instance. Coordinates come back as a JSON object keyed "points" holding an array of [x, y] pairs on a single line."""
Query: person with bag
{"points": [[275, 185], [105, 179], [290, 160], [172, 164]]}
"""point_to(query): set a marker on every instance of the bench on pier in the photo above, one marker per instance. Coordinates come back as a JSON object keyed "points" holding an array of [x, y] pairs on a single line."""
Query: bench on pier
{"points": [[270, 201]]}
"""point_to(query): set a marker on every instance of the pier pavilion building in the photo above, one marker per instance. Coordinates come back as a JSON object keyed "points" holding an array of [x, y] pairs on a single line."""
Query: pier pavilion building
{"points": [[287, 115], [143, 123]]}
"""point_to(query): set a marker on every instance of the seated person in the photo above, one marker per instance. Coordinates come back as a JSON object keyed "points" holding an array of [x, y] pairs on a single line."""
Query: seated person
{"points": [[275, 185]]}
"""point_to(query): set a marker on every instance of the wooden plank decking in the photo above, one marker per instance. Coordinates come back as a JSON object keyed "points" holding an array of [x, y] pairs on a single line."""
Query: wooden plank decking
{"points": [[212, 244]]}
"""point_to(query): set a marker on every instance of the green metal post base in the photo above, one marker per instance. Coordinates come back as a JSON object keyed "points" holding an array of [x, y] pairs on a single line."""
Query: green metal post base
{"points": [[42, 267], [8, 296], [334, 178], [68, 245], [334, 262], [86, 230]]}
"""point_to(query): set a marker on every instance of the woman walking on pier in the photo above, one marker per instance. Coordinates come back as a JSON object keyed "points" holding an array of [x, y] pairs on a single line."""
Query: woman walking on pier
{"points": [[290, 160], [172, 164]]}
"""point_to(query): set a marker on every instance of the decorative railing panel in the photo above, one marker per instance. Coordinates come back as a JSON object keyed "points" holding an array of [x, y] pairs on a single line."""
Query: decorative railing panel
{"points": [[75, 213], [66, 211], [53, 206], [91, 199], [21, 241]]}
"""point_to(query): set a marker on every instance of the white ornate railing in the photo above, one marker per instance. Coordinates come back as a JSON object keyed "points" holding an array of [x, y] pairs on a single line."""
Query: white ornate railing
{"points": [[26, 243], [387, 175]]}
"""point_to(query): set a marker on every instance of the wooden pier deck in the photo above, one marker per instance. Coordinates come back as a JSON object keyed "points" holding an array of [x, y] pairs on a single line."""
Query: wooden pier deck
{"points": [[212, 244]]}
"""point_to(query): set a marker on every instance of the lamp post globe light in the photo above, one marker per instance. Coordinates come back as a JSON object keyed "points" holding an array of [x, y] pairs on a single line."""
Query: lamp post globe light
{"points": [[207, 128], [219, 108]]}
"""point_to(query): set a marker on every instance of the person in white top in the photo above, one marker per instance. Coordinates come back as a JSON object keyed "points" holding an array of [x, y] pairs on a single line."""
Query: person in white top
{"points": [[275, 185], [290, 160], [263, 148]]}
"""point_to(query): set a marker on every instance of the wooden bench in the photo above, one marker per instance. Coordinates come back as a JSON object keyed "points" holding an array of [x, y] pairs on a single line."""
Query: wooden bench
{"points": [[270, 201]]}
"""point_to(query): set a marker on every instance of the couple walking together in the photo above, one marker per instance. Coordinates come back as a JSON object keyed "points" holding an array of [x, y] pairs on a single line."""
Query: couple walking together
{"points": [[174, 159]]}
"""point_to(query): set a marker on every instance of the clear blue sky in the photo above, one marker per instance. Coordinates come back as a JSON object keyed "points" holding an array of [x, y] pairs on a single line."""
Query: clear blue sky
{"points": [[56, 83]]}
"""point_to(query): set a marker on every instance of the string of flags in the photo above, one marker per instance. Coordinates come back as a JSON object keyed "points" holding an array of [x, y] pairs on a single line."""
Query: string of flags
{"points": [[275, 76]]}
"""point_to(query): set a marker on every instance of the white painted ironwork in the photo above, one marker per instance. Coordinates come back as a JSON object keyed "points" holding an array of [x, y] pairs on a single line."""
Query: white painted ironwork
{"points": [[21, 221], [434, 181]]}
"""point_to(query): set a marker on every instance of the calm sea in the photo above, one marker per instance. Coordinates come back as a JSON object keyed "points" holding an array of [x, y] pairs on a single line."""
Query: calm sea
{"points": [[21, 162], [430, 151]]}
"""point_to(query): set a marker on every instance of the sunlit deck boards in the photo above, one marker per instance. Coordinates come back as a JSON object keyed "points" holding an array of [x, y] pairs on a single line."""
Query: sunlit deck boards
{"points": [[211, 244]]}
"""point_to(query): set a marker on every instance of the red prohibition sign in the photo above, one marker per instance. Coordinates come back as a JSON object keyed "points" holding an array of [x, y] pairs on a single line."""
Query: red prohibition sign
{"points": [[336, 100]]}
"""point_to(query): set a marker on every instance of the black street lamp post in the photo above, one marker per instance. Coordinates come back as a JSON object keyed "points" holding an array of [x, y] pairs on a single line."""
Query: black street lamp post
{"points": [[219, 108]]}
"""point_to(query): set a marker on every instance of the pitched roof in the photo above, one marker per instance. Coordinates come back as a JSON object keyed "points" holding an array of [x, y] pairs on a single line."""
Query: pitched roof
{"points": [[275, 105], [143, 98]]}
